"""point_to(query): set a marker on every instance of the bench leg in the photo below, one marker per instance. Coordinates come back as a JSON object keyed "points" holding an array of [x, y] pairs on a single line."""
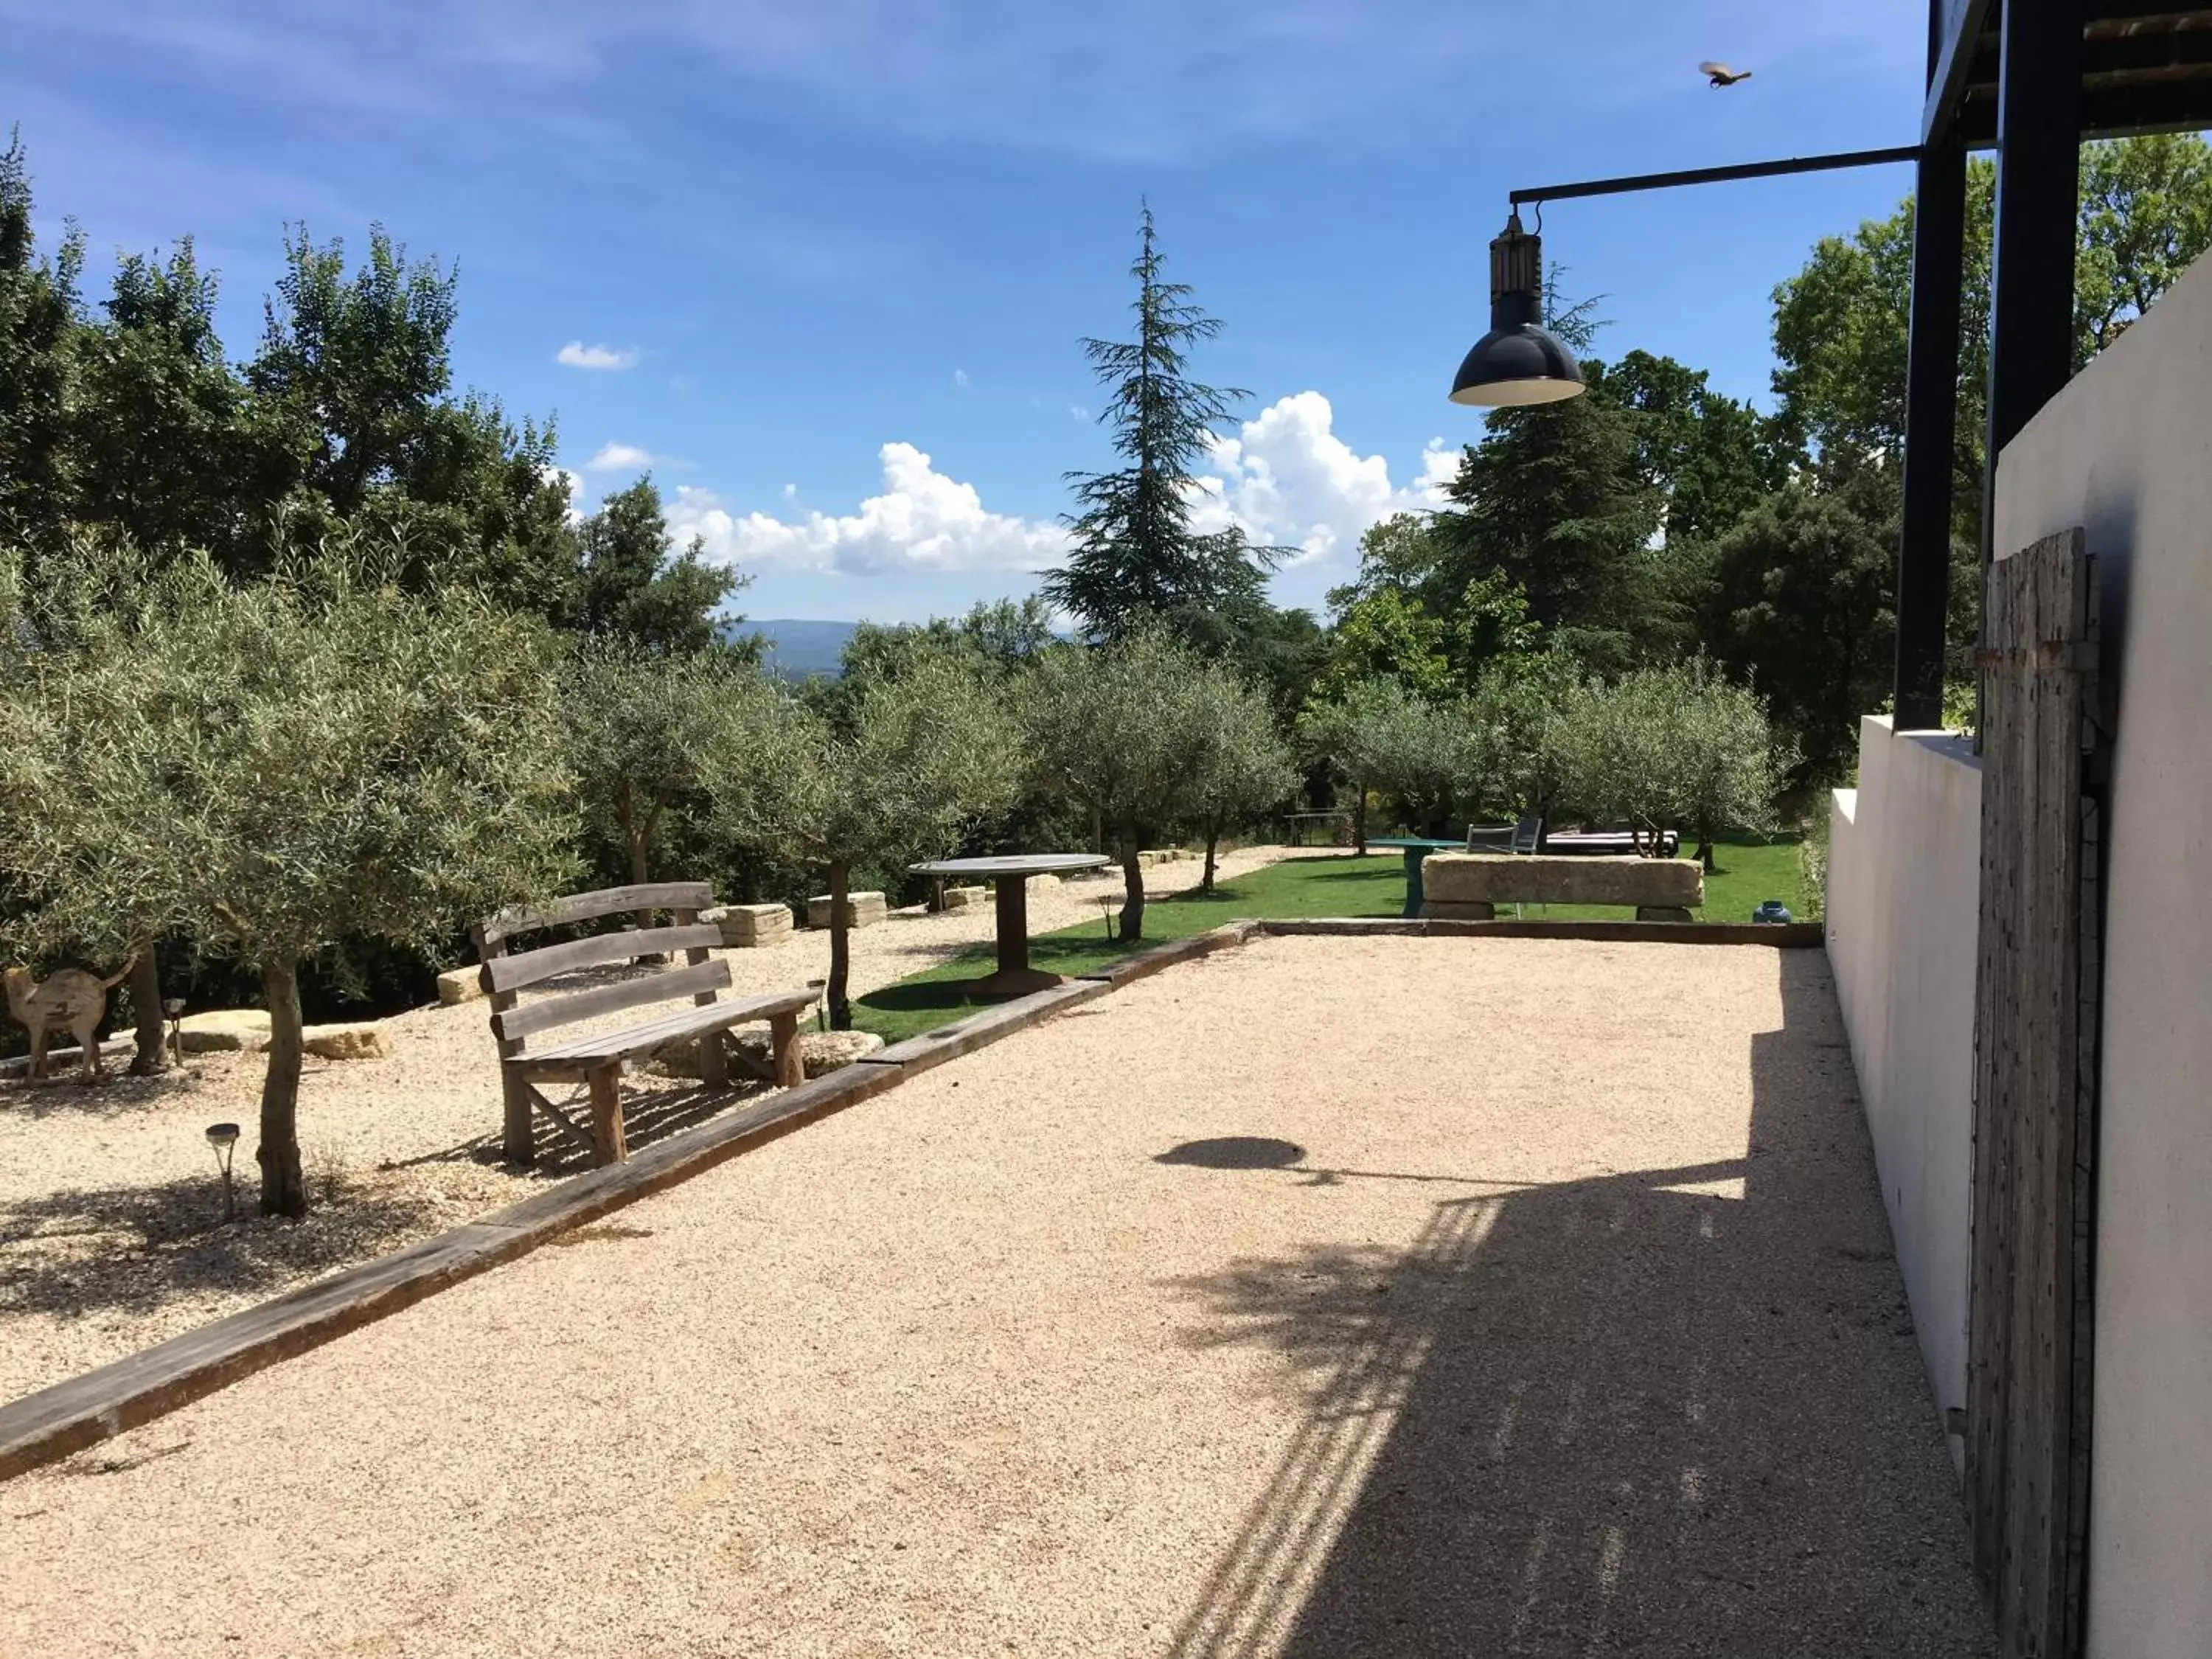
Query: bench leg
{"points": [[607, 1114], [713, 1060], [517, 1136], [783, 1044]]}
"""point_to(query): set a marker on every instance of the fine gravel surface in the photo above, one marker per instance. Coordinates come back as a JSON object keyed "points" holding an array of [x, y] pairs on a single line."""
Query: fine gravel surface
{"points": [[1325, 1297], [112, 1230]]}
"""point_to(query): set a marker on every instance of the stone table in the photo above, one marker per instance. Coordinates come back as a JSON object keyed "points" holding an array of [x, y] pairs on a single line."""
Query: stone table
{"points": [[1011, 876]]}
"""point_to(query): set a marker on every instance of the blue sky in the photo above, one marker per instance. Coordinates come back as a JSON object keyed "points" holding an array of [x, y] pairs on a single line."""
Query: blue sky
{"points": [[826, 262]]}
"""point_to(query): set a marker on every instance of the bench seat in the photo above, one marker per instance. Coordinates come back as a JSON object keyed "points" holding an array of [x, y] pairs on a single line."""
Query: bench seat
{"points": [[580, 1054]]}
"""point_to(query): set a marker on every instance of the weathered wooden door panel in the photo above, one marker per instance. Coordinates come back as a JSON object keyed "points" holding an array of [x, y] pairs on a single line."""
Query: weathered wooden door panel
{"points": [[2036, 1020]]}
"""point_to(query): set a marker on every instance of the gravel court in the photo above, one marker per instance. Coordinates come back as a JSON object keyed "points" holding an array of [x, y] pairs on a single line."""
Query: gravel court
{"points": [[1492, 1296]]}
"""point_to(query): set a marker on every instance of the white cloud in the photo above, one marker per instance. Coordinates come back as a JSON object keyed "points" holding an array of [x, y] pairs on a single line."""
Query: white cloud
{"points": [[619, 458], [922, 521], [1078, 411], [960, 378], [1286, 479], [577, 355]]}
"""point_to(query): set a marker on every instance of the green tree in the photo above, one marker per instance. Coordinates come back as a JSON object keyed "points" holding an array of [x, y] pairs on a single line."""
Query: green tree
{"points": [[1011, 633], [1803, 606], [38, 309], [633, 586], [1421, 755], [1136, 554], [654, 733], [1517, 706], [1555, 501], [1417, 614], [1247, 768], [1842, 323], [1124, 730], [354, 373], [1709, 457], [1671, 748], [881, 771], [278, 766], [171, 450]]}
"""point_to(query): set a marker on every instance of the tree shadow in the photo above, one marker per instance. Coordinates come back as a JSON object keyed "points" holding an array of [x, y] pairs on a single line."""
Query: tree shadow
{"points": [[138, 1248], [1630, 1413], [116, 1094], [650, 1114]]}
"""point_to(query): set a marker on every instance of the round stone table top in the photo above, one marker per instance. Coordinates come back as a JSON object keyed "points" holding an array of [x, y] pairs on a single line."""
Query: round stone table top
{"points": [[1012, 864]]}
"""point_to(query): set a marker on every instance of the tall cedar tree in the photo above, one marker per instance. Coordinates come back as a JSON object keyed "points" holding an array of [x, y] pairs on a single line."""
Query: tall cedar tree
{"points": [[1136, 555]]}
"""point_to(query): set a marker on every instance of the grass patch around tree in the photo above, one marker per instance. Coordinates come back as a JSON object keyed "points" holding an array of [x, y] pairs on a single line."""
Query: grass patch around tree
{"points": [[1750, 869]]}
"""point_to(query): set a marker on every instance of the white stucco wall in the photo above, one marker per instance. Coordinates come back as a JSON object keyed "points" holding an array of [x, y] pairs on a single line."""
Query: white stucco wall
{"points": [[2126, 452], [1903, 872]]}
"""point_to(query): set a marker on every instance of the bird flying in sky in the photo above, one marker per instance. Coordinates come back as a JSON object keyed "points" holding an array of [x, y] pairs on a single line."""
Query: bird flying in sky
{"points": [[1720, 74]]}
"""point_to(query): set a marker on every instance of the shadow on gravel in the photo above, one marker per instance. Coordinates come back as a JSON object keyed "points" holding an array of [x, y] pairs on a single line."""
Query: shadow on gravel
{"points": [[137, 1248], [1634, 1414], [115, 1095]]}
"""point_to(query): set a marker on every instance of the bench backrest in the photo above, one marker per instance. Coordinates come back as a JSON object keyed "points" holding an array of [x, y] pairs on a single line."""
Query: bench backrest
{"points": [[507, 971]]}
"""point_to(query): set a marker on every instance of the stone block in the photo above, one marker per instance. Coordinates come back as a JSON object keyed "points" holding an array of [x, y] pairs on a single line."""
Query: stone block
{"points": [[861, 910], [966, 898], [1493, 878], [223, 1030], [460, 985], [364, 1040], [745, 926], [821, 1052]]}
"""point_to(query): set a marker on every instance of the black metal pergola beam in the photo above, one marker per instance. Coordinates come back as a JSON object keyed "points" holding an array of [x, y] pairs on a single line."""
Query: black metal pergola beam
{"points": [[1854, 158]]}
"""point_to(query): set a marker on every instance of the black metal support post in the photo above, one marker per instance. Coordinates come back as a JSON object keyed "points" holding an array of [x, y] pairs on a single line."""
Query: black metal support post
{"points": [[2038, 205], [1932, 415]]}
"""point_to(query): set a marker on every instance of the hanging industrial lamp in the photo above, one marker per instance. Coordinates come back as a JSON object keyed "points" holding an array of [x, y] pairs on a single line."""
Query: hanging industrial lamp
{"points": [[1518, 361]]}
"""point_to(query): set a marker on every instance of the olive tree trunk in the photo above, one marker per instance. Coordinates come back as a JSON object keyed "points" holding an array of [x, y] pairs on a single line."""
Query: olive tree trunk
{"points": [[152, 1054], [1132, 886], [840, 953], [1360, 820], [283, 1187], [1212, 842]]}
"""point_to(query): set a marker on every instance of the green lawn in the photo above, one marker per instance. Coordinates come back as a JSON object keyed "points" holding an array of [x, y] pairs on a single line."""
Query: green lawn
{"points": [[1749, 871]]}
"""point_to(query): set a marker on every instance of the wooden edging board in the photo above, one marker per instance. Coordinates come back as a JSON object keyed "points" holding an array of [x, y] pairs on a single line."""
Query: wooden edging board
{"points": [[1788, 935], [81, 1411]]}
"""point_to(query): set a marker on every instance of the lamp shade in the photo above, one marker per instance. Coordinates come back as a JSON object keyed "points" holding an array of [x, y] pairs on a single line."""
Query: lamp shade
{"points": [[1518, 361]]}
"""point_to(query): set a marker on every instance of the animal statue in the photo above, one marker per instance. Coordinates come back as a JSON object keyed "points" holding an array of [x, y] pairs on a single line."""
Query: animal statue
{"points": [[71, 1000], [1720, 74]]}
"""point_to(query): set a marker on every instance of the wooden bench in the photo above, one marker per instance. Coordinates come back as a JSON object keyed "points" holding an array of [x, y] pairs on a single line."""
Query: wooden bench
{"points": [[596, 1060]]}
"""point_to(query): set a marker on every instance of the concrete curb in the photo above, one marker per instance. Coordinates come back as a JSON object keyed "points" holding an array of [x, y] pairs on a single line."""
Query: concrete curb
{"points": [[963, 1036], [1146, 963]]}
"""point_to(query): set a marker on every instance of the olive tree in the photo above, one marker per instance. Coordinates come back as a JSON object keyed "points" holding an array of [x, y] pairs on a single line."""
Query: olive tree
{"points": [[1125, 731], [42, 630], [882, 771], [1246, 768], [1677, 748], [276, 767], [1422, 753], [653, 730]]}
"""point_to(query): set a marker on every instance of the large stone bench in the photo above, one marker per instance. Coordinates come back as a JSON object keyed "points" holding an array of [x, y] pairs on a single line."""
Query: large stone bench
{"points": [[1470, 886]]}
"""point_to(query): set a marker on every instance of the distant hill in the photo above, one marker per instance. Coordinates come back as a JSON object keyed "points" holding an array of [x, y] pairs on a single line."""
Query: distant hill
{"points": [[798, 647]]}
